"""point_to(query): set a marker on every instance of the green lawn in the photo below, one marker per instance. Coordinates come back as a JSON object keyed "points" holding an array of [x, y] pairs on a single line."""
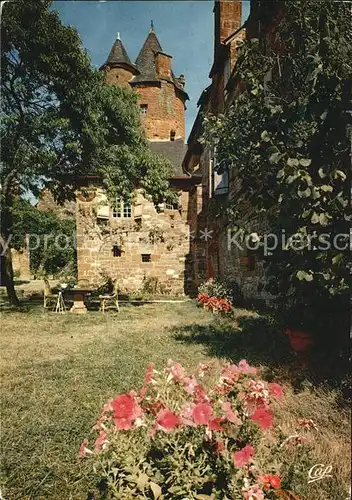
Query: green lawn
{"points": [[58, 370]]}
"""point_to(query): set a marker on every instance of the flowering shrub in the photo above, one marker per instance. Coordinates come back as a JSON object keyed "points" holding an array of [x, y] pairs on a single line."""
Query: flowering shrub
{"points": [[190, 436], [214, 304], [228, 290]]}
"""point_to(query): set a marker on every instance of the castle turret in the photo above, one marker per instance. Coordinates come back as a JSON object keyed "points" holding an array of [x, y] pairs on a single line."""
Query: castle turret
{"points": [[162, 95], [118, 66]]}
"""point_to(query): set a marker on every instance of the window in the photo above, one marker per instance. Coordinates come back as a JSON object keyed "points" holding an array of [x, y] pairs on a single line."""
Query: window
{"points": [[116, 250], [144, 108], [220, 181], [172, 135], [122, 209], [146, 257]]}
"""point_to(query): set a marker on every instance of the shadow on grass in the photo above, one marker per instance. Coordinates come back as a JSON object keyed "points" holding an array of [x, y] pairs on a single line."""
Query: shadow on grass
{"points": [[260, 339], [255, 338]]}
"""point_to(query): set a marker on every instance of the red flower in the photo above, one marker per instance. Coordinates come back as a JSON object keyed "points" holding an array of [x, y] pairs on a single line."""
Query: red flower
{"points": [[275, 390], [271, 480], [275, 481], [167, 420], [242, 457], [202, 413], [219, 446], [263, 417], [214, 425]]}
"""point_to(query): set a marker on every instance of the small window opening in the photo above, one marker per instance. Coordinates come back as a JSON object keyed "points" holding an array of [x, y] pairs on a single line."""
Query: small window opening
{"points": [[172, 135], [144, 108], [116, 250], [146, 257]]}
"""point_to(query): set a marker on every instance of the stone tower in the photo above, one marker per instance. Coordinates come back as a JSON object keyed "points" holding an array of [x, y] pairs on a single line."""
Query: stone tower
{"points": [[162, 95]]}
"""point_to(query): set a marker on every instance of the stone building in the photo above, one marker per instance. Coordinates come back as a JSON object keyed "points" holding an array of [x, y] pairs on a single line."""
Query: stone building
{"points": [[142, 243], [217, 255]]}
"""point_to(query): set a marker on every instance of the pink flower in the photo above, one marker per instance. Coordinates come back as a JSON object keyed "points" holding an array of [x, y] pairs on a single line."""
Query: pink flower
{"points": [[203, 368], [242, 457], [245, 368], [232, 416], [83, 448], [263, 417], [99, 441], [190, 384], [166, 420], [252, 492], [176, 371], [200, 395], [230, 374], [147, 380], [275, 390], [202, 413], [125, 410]]}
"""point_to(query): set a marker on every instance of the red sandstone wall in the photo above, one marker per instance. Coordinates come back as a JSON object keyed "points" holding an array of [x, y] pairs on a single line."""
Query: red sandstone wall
{"points": [[166, 111]]}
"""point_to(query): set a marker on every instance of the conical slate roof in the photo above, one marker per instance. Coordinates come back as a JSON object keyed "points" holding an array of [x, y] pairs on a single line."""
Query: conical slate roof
{"points": [[145, 61], [118, 56]]}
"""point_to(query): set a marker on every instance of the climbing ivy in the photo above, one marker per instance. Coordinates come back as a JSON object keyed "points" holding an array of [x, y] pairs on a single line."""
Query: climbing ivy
{"points": [[289, 140]]}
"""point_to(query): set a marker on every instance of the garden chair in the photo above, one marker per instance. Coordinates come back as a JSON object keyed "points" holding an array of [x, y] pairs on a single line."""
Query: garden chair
{"points": [[50, 298], [114, 298]]}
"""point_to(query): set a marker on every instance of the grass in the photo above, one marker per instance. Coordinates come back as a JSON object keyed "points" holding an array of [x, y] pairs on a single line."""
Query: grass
{"points": [[58, 371]]}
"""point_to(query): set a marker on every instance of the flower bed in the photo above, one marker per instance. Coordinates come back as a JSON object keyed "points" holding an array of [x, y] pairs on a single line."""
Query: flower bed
{"points": [[214, 304], [191, 437]]}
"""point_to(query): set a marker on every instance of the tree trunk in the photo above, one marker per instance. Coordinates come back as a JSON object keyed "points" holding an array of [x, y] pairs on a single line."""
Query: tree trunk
{"points": [[5, 247], [7, 274]]}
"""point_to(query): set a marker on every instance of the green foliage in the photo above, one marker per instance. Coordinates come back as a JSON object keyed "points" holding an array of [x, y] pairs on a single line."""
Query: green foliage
{"points": [[289, 140], [52, 240], [186, 437], [61, 121]]}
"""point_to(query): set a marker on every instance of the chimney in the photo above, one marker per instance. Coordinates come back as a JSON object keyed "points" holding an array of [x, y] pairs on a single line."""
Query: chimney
{"points": [[228, 19], [163, 65]]}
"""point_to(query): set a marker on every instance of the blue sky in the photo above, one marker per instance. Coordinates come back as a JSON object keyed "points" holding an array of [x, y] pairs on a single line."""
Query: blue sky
{"points": [[184, 28]]}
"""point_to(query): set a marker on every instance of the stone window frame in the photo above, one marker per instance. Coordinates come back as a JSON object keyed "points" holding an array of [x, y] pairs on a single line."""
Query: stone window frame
{"points": [[143, 108], [122, 210], [116, 251], [146, 257], [217, 179]]}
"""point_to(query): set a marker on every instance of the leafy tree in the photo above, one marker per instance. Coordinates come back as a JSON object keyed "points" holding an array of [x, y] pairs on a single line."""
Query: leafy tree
{"points": [[289, 140], [61, 121], [52, 240]]}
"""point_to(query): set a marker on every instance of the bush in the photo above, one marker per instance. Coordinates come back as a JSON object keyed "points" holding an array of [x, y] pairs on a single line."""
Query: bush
{"points": [[229, 290], [179, 438]]}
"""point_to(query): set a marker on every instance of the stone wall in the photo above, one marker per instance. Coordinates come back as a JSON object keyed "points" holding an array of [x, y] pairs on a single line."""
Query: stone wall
{"points": [[118, 76], [114, 247], [46, 203], [166, 111], [20, 263]]}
